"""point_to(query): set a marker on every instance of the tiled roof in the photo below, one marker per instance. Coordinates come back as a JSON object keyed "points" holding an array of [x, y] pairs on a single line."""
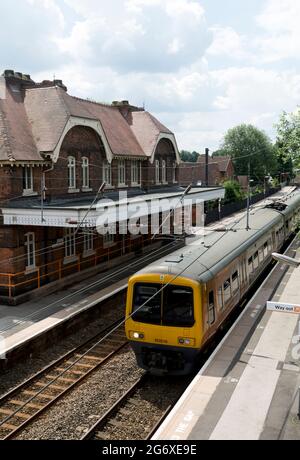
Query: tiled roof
{"points": [[147, 129], [16, 140], [50, 108], [117, 131], [33, 120], [221, 161]]}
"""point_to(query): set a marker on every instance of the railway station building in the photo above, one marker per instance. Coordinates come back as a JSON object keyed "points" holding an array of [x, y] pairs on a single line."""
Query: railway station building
{"points": [[55, 152]]}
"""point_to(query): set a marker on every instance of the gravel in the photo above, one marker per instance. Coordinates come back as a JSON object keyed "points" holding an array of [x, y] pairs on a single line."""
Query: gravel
{"points": [[69, 417], [27, 368]]}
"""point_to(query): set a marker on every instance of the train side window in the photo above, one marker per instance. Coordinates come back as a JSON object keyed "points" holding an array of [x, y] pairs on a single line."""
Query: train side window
{"points": [[220, 298], [266, 249], [250, 265], [211, 308], [255, 260], [227, 290], [270, 245], [235, 282], [261, 254]]}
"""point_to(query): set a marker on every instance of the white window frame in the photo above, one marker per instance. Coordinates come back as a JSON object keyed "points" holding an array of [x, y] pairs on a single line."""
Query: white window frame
{"points": [[71, 173], [70, 243], [108, 240], [135, 172], [174, 173], [30, 249], [121, 173], [27, 179], [85, 173], [164, 171], [157, 172], [88, 242], [107, 173]]}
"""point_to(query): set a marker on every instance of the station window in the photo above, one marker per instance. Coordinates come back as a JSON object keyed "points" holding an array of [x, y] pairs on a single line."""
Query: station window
{"points": [[88, 241], [70, 242], [235, 282], [71, 172], [85, 173], [227, 290], [135, 172], [157, 175], [27, 179], [108, 240], [122, 172], [211, 308], [107, 173], [30, 248], [163, 172]]}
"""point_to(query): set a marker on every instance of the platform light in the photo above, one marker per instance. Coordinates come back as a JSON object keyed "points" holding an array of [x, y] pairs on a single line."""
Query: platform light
{"points": [[286, 260]]}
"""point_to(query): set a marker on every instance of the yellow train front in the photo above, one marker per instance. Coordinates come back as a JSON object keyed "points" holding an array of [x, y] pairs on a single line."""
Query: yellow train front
{"points": [[177, 304], [165, 333]]}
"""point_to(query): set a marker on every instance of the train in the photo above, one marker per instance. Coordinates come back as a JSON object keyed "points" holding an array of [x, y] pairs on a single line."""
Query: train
{"points": [[176, 305]]}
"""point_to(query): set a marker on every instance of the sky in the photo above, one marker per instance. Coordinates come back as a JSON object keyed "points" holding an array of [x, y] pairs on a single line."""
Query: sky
{"points": [[200, 66]]}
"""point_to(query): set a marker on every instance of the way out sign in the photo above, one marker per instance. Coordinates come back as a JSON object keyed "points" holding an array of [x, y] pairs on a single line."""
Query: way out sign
{"points": [[283, 307]]}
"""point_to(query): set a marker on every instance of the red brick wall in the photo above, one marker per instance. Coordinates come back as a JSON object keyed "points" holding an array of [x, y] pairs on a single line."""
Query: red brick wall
{"points": [[79, 142], [11, 182]]}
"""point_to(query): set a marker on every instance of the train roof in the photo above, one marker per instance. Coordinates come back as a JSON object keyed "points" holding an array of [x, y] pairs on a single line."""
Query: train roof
{"points": [[202, 258]]}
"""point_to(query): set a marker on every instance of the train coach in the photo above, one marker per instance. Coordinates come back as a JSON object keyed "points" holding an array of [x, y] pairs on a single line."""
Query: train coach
{"points": [[177, 304]]}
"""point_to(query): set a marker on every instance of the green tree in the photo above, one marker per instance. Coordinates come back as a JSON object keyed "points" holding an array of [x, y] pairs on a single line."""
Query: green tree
{"points": [[288, 138], [192, 157], [233, 191], [247, 144], [219, 153]]}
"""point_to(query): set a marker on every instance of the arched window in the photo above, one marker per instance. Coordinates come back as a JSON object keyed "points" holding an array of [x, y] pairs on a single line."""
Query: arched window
{"points": [[85, 173], [157, 171], [72, 172], [163, 172]]}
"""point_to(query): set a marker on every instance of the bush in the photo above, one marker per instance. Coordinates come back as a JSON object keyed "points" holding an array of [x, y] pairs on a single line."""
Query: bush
{"points": [[233, 191]]}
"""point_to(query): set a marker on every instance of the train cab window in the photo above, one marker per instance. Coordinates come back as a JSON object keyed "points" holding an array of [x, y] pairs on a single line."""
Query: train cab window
{"points": [[178, 306], [266, 249], [227, 290], [220, 298], [255, 260], [235, 282], [211, 308], [250, 265], [149, 295]]}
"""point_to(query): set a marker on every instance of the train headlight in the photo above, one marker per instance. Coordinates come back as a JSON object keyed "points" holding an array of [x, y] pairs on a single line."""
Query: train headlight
{"points": [[186, 341], [136, 335]]}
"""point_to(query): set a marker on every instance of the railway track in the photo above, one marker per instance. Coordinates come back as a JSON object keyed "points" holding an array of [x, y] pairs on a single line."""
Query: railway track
{"points": [[120, 421], [23, 404]]}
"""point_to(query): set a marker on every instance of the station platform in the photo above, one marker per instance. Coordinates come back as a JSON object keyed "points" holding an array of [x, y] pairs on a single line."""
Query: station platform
{"points": [[249, 387], [23, 323]]}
